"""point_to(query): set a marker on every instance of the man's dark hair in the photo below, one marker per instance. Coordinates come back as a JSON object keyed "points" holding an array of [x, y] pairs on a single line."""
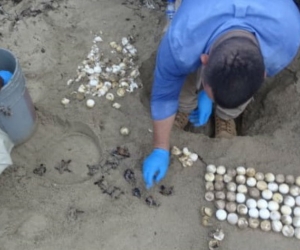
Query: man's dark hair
{"points": [[1, 82], [234, 71]]}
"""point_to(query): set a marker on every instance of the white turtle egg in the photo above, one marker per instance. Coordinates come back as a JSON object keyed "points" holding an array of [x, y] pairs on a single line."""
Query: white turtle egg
{"points": [[298, 181], [289, 201], [253, 213], [269, 177], [286, 210], [209, 177], [276, 226], [298, 200], [240, 198], [240, 179], [273, 186], [272, 206], [275, 215], [241, 170], [186, 151], [297, 233], [232, 218], [251, 181], [296, 221], [261, 185], [264, 214], [259, 176], [250, 172], [286, 219], [267, 194], [251, 203], [290, 179], [193, 157], [297, 211], [221, 170], [294, 190], [90, 103], [278, 198], [227, 178], [284, 188], [279, 178], [231, 186], [288, 231], [211, 168], [261, 204], [221, 214], [242, 189], [231, 196]]}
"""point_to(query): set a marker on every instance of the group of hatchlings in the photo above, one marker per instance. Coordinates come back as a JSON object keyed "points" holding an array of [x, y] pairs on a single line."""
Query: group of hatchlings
{"points": [[247, 198]]}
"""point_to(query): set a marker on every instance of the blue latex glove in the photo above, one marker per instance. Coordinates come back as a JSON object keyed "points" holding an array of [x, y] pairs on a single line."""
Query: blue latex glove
{"points": [[202, 113], [155, 166], [5, 75]]}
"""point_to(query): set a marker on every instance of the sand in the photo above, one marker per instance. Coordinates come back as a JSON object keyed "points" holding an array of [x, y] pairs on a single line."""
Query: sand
{"points": [[68, 211]]}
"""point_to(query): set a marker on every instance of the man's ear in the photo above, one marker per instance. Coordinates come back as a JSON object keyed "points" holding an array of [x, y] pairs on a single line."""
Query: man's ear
{"points": [[204, 59]]}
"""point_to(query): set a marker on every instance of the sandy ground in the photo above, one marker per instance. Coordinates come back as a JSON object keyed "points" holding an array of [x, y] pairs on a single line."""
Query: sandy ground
{"points": [[68, 211]]}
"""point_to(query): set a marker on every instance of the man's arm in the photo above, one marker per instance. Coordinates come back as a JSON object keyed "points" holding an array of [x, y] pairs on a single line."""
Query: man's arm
{"points": [[161, 134]]}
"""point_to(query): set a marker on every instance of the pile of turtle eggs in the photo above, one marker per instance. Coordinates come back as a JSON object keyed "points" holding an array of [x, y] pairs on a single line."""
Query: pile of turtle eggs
{"points": [[247, 198]]}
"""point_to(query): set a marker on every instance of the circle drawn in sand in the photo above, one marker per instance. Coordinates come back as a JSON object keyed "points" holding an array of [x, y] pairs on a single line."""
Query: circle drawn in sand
{"points": [[67, 155]]}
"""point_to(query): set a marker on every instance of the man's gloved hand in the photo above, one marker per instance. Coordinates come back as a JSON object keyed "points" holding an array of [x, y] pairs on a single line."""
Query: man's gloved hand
{"points": [[155, 166], [5, 75], [202, 113]]}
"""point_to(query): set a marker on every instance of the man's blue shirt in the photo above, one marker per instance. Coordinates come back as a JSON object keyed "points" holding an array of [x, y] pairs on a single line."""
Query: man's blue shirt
{"points": [[196, 25]]}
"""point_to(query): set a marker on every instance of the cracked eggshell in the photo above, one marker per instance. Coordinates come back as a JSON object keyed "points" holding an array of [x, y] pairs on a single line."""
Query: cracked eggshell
{"points": [[186, 151], [116, 105], [231, 186], [110, 96], [242, 223], [254, 223], [121, 92], [176, 151], [242, 209], [277, 197], [209, 196], [124, 131], [220, 204], [65, 101], [220, 195], [265, 225], [288, 231], [286, 219], [231, 207]]}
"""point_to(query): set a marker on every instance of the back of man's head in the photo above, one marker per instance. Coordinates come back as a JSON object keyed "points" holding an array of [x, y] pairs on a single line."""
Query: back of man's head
{"points": [[235, 71]]}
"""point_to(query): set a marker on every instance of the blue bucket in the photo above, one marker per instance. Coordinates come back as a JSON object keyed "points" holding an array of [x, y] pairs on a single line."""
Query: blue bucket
{"points": [[17, 114]]}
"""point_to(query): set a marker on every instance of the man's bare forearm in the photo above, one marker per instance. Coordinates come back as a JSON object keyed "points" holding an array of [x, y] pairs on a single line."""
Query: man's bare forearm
{"points": [[162, 130]]}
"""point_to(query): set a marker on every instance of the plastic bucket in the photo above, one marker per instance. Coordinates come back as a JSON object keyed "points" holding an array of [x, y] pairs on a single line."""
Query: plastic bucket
{"points": [[17, 113]]}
